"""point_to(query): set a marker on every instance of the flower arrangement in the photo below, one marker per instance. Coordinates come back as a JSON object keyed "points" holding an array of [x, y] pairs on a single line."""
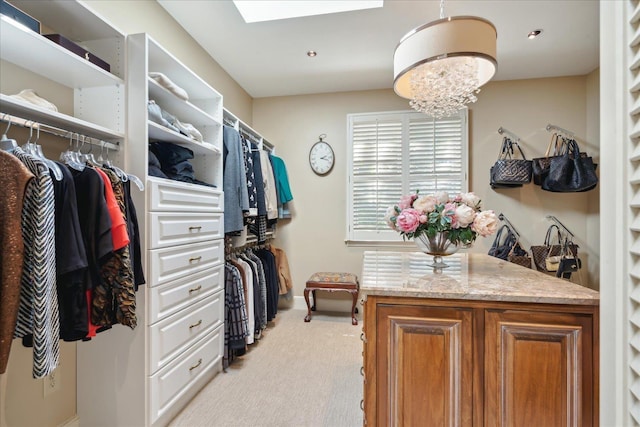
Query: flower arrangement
{"points": [[460, 217]]}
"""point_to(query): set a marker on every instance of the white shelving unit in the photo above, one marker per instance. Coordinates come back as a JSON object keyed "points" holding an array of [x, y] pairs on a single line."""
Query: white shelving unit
{"points": [[182, 337], [98, 95]]}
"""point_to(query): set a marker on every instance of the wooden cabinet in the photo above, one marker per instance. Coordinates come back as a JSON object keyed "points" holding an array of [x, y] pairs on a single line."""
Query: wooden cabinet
{"points": [[431, 362], [540, 369]]}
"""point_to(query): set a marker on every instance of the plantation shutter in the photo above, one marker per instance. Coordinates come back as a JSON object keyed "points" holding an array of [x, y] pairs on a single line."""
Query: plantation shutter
{"points": [[392, 154]]}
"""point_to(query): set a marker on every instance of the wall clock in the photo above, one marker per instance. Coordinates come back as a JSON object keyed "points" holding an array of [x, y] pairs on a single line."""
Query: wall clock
{"points": [[321, 157]]}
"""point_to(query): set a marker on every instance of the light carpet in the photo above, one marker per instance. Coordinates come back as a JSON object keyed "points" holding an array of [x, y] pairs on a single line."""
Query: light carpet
{"points": [[298, 374]]}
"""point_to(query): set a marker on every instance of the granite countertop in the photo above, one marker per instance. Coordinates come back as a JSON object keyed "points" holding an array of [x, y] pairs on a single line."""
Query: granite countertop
{"points": [[469, 276]]}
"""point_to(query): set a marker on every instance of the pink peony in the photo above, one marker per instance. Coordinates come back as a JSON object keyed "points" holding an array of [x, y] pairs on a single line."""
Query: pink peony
{"points": [[464, 216], [485, 223], [425, 204], [442, 197], [407, 201], [470, 200], [408, 220], [391, 213]]}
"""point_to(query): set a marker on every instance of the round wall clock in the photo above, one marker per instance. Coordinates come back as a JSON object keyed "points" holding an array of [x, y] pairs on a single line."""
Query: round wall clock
{"points": [[321, 157]]}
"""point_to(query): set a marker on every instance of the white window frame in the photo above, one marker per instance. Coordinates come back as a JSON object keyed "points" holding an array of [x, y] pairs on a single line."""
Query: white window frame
{"points": [[388, 237]]}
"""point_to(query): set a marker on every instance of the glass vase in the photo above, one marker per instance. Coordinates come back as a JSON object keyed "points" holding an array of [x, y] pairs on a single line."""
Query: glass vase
{"points": [[438, 246]]}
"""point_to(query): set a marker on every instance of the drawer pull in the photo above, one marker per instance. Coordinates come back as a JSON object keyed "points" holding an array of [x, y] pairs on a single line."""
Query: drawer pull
{"points": [[195, 227], [196, 289], [195, 325], [362, 370], [362, 404], [196, 365], [363, 338], [195, 259]]}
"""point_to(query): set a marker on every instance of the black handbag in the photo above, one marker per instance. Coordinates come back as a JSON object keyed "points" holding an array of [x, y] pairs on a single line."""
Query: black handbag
{"points": [[570, 172], [540, 165], [508, 170], [502, 244]]}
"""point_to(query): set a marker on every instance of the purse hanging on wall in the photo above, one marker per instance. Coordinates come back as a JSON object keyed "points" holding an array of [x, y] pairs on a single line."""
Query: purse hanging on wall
{"points": [[570, 172], [546, 257], [503, 243], [540, 165], [509, 171]]}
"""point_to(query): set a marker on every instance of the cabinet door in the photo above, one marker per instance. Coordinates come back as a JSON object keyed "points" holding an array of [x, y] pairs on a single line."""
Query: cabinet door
{"points": [[539, 369], [424, 366]]}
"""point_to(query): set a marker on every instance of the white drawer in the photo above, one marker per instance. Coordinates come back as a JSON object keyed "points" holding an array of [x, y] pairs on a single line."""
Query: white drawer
{"points": [[167, 195], [170, 229], [167, 299], [178, 261], [172, 382], [171, 336]]}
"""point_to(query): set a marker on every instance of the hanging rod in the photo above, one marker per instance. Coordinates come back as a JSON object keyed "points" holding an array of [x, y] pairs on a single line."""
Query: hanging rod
{"points": [[52, 130], [515, 137], [557, 221], [511, 227], [551, 127]]}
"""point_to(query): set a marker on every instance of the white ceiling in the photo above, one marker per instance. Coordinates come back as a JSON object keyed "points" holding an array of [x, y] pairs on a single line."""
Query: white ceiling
{"points": [[355, 49]]}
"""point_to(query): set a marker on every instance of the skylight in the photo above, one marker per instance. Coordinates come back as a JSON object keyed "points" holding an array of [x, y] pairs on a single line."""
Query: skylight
{"points": [[267, 10]]}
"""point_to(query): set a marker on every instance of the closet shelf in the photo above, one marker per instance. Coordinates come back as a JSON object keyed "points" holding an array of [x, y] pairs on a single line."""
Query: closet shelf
{"points": [[25, 110], [180, 108], [68, 69], [161, 133]]}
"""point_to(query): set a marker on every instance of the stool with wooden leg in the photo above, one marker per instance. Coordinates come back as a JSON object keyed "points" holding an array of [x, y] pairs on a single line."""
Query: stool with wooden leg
{"points": [[332, 282]]}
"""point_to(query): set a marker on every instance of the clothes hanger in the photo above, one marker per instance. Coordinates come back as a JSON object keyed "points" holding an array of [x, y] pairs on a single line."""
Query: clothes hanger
{"points": [[68, 157], [121, 174], [54, 169], [6, 143]]}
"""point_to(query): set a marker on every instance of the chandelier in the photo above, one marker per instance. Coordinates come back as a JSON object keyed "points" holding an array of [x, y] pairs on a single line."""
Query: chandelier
{"points": [[440, 66]]}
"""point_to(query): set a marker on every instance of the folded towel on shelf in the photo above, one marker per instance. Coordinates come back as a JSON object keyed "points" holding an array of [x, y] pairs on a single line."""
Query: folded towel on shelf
{"points": [[166, 83], [30, 96]]}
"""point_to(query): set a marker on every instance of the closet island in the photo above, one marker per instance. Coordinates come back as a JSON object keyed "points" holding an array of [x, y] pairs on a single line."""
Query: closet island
{"points": [[483, 342]]}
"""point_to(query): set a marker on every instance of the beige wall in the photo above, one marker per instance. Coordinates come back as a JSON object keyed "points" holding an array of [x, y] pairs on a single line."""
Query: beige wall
{"points": [[144, 16], [314, 237]]}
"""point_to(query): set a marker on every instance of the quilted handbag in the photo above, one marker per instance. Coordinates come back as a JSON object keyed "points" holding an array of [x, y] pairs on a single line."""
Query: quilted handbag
{"points": [[508, 170]]}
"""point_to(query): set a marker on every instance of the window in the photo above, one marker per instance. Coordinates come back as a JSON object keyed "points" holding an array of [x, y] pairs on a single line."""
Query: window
{"points": [[394, 153]]}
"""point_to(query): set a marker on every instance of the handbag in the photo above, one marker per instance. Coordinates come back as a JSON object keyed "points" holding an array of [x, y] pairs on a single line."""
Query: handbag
{"points": [[570, 172], [569, 262], [540, 165], [508, 170], [518, 255], [546, 251], [503, 243]]}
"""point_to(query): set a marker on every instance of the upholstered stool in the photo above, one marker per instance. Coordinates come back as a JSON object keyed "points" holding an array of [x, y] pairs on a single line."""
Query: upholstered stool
{"points": [[332, 282]]}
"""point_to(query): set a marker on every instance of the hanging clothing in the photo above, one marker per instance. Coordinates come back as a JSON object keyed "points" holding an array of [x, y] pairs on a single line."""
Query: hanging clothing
{"points": [[249, 298], [14, 178], [116, 271], [252, 191], [95, 224], [236, 199], [282, 266], [235, 319], [271, 198], [134, 237], [71, 259], [38, 312]]}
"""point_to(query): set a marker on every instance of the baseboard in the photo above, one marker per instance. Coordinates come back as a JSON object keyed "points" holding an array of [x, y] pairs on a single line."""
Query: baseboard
{"points": [[299, 303], [71, 422]]}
